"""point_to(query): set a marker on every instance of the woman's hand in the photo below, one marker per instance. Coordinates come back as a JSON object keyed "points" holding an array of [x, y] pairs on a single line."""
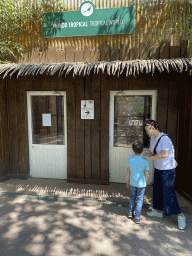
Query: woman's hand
{"points": [[127, 185], [146, 156]]}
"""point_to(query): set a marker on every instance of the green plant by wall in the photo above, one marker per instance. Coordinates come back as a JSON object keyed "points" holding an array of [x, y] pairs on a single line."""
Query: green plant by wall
{"points": [[14, 15]]}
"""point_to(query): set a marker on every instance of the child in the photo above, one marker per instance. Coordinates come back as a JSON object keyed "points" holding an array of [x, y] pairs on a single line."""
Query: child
{"points": [[137, 176]]}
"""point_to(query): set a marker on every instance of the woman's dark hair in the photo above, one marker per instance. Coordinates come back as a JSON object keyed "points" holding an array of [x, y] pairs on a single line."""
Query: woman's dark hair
{"points": [[137, 147], [152, 123]]}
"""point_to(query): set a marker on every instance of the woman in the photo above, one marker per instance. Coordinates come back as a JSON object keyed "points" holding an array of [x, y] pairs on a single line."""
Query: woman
{"points": [[163, 154]]}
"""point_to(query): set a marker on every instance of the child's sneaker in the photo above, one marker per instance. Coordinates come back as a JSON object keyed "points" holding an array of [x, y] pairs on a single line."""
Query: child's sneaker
{"points": [[181, 222], [130, 215], [137, 220], [154, 213]]}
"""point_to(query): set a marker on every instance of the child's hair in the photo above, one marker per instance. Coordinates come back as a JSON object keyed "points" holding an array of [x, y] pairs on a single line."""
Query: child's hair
{"points": [[137, 147]]}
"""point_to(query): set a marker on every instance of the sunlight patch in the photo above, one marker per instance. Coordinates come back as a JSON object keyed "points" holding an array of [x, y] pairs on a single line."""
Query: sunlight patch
{"points": [[35, 249]]}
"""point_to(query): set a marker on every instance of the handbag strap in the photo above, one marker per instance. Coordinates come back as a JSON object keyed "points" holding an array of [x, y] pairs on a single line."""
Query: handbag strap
{"points": [[154, 150]]}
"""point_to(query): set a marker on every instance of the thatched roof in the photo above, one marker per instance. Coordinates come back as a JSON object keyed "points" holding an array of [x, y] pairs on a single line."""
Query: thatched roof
{"points": [[132, 67]]}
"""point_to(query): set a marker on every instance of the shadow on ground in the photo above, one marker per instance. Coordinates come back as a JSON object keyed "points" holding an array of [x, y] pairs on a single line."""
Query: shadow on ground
{"points": [[52, 228]]}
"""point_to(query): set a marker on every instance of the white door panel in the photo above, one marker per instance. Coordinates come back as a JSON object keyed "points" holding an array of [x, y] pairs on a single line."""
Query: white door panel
{"points": [[47, 139], [122, 135]]}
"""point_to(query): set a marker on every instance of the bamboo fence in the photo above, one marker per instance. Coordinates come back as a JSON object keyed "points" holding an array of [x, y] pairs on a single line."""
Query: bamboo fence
{"points": [[155, 21]]}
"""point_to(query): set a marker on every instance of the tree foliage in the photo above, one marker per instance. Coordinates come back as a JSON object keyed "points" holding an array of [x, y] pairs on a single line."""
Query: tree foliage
{"points": [[184, 23], [14, 14]]}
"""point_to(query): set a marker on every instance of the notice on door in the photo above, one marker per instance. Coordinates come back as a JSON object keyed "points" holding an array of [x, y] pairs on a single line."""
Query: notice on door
{"points": [[87, 109], [46, 119], [135, 123]]}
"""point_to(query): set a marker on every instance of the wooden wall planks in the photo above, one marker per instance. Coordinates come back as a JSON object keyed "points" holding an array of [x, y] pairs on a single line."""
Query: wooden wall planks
{"points": [[104, 132], [171, 112], [190, 138], [162, 102], [13, 129], [24, 85], [79, 136], [184, 135], [88, 131], [88, 140], [1, 122], [71, 127], [96, 124], [4, 140], [88, 150]]}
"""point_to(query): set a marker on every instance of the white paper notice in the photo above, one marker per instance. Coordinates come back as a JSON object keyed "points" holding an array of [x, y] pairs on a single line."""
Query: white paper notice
{"points": [[46, 119]]}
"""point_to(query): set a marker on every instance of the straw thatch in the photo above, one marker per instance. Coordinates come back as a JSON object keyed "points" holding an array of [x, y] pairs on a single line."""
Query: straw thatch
{"points": [[132, 67]]}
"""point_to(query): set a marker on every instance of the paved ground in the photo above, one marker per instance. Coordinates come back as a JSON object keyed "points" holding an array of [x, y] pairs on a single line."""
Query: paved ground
{"points": [[41, 217]]}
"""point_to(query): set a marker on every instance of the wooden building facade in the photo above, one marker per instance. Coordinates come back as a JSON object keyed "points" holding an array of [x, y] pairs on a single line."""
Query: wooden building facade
{"points": [[93, 75]]}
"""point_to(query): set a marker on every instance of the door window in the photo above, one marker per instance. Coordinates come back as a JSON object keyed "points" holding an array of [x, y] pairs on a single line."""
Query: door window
{"points": [[48, 120], [130, 112]]}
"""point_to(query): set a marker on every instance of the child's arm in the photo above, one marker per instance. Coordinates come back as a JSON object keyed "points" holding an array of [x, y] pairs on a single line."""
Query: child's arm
{"points": [[146, 175], [128, 177]]}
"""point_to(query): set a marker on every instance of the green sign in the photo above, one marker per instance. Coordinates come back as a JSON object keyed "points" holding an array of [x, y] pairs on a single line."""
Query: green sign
{"points": [[89, 21]]}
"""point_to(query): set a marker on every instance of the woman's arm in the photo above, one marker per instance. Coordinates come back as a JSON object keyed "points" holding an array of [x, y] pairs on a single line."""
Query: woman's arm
{"points": [[161, 155], [128, 177]]}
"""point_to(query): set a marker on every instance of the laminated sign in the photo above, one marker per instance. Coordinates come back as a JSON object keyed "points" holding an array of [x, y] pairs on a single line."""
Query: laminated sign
{"points": [[135, 123], [89, 21], [87, 109]]}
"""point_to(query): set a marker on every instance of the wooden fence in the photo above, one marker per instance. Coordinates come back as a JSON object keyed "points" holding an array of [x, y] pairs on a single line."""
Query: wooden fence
{"points": [[144, 51]]}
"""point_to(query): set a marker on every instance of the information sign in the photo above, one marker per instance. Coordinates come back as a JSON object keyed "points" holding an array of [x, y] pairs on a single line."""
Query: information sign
{"points": [[87, 109], [89, 21]]}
